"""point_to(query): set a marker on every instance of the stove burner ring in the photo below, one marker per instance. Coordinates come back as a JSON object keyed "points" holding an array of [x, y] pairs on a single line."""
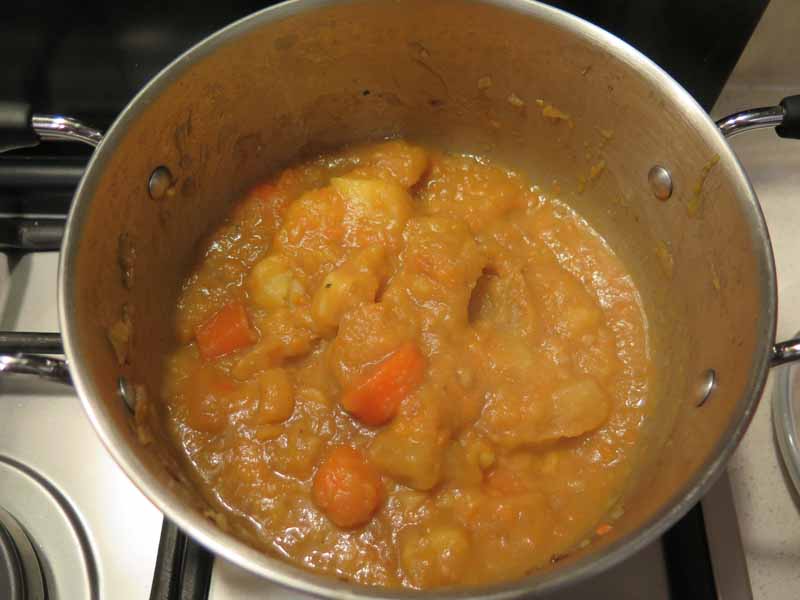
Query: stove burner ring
{"points": [[21, 576], [45, 551]]}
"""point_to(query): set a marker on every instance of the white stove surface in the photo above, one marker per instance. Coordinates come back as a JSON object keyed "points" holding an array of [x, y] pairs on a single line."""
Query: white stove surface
{"points": [[44, 426]]}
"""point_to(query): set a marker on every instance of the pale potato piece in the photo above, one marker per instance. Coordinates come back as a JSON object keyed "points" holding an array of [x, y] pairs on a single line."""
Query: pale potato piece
{"points": [[284, 334], [440, 266], [311, 235], [275, 397], [375, 211], [512, 419], [578, 407], [355, 282], [563, 300], [434, 554], [395, 160], [478, 196], [411, 450], [272, 284]]}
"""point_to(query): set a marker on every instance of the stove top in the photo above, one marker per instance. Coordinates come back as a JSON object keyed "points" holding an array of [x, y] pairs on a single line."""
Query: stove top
{"points": [[77, 526]]}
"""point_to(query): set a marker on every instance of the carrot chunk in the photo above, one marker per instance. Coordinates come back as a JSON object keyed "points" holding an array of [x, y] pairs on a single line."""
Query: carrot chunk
{"points": [[374, 399], [226, 331], [347, 488]]}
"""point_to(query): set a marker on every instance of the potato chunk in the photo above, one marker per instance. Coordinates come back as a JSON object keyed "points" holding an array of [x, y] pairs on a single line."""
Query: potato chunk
{"points": [[311, 235], [440, 265], [514, 419], [563, 300], [578, 407], [411, 450], [284, 334], [367, 334], [275, 400], [355, 282], [272, 284], [206, 400], [375, 211], [396, 161], [434, 554], [479, 196]]}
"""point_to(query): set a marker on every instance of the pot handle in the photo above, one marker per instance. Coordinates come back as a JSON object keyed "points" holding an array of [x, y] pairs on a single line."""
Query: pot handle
{"points": [[21, 353], [785, 118], [20, 127]]}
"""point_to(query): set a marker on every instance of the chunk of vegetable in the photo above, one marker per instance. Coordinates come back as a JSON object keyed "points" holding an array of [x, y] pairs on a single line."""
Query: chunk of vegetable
{"points": [[375, 211], [441, 262], [206, 399], [411, 450], [578, 407], [575, 408], [434, 555], [366, 334], [375, 399], [271, 284], [275, 399], [295, 451], [347, 488], [456, 189], [355, 282], [312, 231], [285, 335], [395, 160], [224, 332]]}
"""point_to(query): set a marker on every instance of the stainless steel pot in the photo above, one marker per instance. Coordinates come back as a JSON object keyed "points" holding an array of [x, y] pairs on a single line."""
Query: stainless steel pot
{"points": [[307, 75]]}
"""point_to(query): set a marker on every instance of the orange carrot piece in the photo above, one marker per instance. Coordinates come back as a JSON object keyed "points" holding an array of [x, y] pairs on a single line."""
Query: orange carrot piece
{"points": [[347, 488], [226, 331], [374, 399]]}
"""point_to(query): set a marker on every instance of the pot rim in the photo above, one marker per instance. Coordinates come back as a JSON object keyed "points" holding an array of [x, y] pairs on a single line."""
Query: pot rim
{"points": [[278, 571]]}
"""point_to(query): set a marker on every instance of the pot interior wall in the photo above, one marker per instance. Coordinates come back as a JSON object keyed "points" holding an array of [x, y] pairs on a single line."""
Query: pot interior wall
{"points": [[293, 83]]}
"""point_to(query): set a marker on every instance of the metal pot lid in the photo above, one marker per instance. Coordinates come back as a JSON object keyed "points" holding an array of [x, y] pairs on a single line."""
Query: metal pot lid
{"points": [[786, 418]]}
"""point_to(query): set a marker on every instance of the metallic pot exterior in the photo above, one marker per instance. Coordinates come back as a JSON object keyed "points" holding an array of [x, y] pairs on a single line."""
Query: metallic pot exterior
{"points": [[309, 75]]}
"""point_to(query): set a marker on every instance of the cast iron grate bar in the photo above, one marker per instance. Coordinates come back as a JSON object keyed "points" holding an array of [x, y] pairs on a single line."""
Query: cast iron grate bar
{"points": [[31, 235], [63, 172], [688, 560], [30, 342], [183, 567]]}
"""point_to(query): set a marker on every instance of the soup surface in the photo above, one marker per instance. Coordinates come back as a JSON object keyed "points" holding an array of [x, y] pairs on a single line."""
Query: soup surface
{"points": [[408, 368]]}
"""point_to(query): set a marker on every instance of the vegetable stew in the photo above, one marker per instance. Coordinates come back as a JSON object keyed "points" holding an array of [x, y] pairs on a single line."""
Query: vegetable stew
{"points": [[404, 367]]}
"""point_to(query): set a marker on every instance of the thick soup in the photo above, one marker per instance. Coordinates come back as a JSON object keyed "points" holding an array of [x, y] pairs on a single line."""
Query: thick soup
{"points": [[408, 368]]}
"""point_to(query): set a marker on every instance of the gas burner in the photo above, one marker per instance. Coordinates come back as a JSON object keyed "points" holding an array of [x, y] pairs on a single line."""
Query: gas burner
{"points": [[21, 576], [44, 549]]}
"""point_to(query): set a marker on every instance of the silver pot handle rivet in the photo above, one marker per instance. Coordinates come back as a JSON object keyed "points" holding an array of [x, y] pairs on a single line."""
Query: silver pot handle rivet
{"points": [[660, 182], [160, 183], [708, 383]]}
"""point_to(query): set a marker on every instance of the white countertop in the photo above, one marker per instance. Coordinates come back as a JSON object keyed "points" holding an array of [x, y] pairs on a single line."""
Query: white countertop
{"points": [[768, 508]]}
